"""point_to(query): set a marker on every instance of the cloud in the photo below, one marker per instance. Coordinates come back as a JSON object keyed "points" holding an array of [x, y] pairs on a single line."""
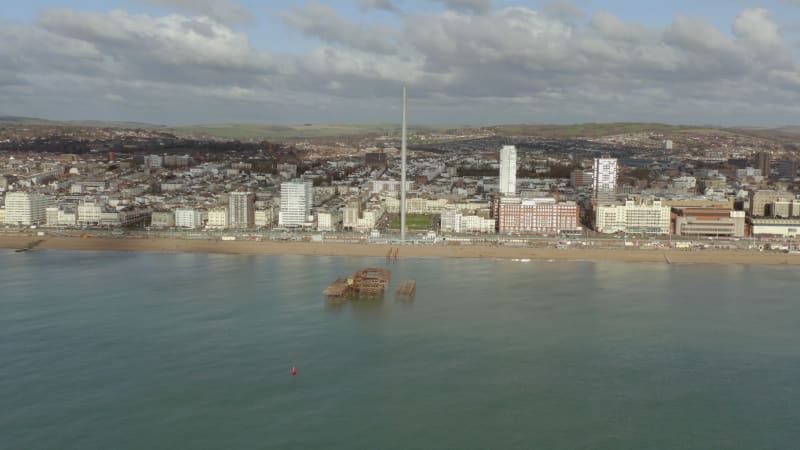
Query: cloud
{"points": [[476, 6], [322, 21], [223, 11], [755, 28], [385, 5], [512, 64]]}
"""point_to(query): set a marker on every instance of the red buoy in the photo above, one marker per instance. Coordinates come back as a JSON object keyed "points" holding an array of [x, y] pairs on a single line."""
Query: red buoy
{"points": [[294, 371]]}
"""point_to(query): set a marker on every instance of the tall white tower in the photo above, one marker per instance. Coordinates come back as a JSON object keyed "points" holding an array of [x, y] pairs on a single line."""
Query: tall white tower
{"points": [[605, 180], [508, 170], [296, 200], [403, 150]]}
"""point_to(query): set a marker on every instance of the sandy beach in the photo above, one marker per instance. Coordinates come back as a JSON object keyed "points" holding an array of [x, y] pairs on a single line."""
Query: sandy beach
{"points": [[416, 251]]}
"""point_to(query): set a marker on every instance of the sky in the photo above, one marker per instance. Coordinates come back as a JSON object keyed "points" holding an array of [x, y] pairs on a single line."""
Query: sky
{"points": [[478, 62]]}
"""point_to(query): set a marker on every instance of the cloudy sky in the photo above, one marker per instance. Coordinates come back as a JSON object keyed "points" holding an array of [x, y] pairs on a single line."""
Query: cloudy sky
{"points": [[728, 62]]}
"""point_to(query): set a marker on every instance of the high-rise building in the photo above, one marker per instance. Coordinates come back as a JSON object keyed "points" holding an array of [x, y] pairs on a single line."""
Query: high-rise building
{"points": [[241, 209], [296, 200], [508, 170], [764, 163], [787, 169], [604, 180], [25, 208]]}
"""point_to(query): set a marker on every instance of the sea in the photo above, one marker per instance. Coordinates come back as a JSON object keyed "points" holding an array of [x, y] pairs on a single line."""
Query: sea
{"points": [[125, 350]]}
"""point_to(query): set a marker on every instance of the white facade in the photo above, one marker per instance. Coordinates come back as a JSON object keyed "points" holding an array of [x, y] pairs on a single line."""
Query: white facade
{"points": [[262, 218], [451, 221], [153, 161], [241, 210], [477, 224], [362, 220], [188, 218], [89, 212], [604, 179], [24, 208], [648, 218], [296, 201], [508, 170], [217, 218], [324, 222]]}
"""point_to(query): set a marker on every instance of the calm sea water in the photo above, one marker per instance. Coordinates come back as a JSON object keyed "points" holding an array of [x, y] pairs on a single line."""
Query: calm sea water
{"points": [[167, 351]]}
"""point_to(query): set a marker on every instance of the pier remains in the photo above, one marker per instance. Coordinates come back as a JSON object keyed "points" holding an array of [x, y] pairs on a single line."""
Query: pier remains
{"points": [[370, 283]]}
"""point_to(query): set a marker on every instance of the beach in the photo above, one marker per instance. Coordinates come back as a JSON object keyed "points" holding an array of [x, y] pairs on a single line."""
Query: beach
{"points": [[675, 256]]}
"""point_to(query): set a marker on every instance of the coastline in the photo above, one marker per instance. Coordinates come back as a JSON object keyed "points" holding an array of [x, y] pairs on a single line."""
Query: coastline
{"points": [[673, 256]]}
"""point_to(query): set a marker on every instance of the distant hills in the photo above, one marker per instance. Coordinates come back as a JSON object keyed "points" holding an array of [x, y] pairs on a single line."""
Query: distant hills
{"points": [[33, 121], [306, 131]]}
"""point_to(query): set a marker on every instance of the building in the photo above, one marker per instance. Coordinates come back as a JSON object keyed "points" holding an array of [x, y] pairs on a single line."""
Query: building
{"points": [[764, 163], [296, 201], [241, 210], [787, 169], [543, 215], [604, 180], [761, 201], [217, 218], [767, 227], [508, 170], [376, 160], [632, 217], [263, 218], [90, 212], [451, 220], [153, 161], [581, 178], [325, 221], [358, 218], [188, 218], [25, 209], [162, 219], [715, 222], [667, 146], [477, 224]]}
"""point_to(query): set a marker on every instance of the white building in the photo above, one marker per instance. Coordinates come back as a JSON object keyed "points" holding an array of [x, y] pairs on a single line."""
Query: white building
{"points": [[477, 224], [241, 209], [508, 170], [24, 208], [357, 219], [188, 218], [57, 217], [89, 212], [604, 180], [296, 201], [451, 221], [262, 218], [632, 217], [324, 221], [153, 161], [217, 218]]}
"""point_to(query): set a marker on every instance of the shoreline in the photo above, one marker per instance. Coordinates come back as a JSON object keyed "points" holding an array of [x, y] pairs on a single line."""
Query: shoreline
{"points": [[672, 256]]}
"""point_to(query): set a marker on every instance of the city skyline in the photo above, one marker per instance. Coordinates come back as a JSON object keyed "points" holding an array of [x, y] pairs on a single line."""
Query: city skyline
{"points": [[465, 61]]}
